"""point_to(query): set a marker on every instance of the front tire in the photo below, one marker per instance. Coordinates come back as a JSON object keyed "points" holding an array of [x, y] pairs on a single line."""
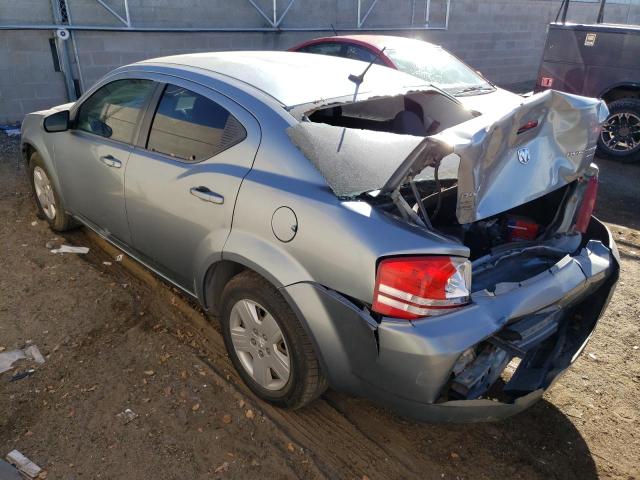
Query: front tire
{"points": [[620, 136], [267, 345], [50, 205]]}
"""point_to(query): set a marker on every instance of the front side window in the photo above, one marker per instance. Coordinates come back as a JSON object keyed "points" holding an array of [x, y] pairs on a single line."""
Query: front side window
{"points": [[114, 110], [191, 127]]}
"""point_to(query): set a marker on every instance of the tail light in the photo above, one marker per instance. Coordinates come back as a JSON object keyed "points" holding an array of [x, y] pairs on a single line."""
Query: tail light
{"points": [[414, 287], [586, 207]]}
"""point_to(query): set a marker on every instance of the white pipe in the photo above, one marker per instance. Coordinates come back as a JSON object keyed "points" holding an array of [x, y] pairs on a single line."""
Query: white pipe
{"points": [[126, 12], [446, 22]]}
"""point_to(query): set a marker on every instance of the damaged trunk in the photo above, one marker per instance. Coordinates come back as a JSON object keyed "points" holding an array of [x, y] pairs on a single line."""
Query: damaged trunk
{"points": [[517, 190]]}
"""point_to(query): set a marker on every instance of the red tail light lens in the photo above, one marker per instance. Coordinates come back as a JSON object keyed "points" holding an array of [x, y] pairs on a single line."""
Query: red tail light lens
{"points": [[414, 287], [527, 126], [586, 207]]}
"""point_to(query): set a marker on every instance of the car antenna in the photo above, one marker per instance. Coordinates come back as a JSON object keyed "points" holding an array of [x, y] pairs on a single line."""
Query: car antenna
{"points": [[358, 79], [335, 32]]}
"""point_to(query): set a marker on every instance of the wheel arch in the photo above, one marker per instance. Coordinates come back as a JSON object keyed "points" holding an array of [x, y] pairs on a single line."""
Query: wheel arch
{"points": [[221, 272], [621, 90]]}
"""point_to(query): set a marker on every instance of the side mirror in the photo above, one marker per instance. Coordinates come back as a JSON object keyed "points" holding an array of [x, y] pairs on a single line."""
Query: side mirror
{"points": [[57, 122]]}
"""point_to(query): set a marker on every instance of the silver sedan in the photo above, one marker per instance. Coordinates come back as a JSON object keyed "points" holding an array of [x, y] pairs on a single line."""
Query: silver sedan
{"points": [[348, 224]]}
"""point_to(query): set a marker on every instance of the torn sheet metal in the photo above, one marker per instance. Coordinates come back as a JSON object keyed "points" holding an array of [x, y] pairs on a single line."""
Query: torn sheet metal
{"points": [[499, 168]]}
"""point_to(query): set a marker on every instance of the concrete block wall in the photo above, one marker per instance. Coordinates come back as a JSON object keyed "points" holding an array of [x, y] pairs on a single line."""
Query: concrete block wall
{"points": [[501, 38], [28, 81]]}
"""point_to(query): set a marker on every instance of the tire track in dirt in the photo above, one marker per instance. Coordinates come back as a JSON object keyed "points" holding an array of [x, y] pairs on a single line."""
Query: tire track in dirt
{"points": [[337, 446]]}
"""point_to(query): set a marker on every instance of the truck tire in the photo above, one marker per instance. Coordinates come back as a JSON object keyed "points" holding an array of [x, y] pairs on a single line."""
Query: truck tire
{"points": [[620, 136], [267, 344]]}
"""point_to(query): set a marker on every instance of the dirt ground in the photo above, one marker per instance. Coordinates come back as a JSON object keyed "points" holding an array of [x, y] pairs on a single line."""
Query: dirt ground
{"points": [[114, 340]]}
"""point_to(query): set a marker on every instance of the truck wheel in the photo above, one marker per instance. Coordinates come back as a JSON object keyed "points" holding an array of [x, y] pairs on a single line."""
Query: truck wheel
{"points": [[620, 135], [268, 346], [50, 206]]}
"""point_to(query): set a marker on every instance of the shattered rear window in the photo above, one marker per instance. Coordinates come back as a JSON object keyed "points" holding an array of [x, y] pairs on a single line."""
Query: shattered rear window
{"points": [[358, 146]]}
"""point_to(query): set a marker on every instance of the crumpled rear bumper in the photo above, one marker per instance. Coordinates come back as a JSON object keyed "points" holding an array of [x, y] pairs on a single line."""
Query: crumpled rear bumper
{"points": [[408, 365]]}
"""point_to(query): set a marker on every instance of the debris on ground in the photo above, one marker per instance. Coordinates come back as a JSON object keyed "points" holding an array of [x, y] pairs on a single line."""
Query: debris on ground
{"points": [[118, 258], [7, 359], [23, 464], [21, 375], [127, 416], [11, 130], [70, 249]]}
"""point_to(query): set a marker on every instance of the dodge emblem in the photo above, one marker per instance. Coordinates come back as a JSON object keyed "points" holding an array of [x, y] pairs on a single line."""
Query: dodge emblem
{"points": [[523, 155]]}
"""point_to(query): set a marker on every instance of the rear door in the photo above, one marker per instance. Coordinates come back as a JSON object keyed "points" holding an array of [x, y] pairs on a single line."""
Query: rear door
{"points": [[184, 175], [91, 158]]}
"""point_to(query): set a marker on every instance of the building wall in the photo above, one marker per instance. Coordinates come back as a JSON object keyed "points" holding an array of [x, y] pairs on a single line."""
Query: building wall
{"points": [[501, 38]]}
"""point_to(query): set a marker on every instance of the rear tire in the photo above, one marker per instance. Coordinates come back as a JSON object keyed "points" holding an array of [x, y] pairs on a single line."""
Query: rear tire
{"points": [[620, 136], [262, 334], [50, 205]]}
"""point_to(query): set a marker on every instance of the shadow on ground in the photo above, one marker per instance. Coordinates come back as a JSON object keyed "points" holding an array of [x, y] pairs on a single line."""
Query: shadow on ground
{"points": [[619, 193], [541, 442]]}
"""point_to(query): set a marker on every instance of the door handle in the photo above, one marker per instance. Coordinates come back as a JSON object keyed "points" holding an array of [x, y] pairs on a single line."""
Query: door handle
{"points": [[203, 193], [111, 161]]}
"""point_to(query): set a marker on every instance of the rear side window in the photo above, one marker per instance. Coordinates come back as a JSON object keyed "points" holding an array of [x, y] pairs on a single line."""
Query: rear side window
{"points": [[332, 48], [114, 110], [356, 52], [191, 127]]}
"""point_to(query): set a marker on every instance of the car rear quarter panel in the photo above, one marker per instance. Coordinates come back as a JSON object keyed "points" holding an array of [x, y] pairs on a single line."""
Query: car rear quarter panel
{"points": [[337, 243]]}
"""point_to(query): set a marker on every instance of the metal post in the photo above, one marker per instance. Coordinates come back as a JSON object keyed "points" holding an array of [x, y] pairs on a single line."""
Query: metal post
{"points": [[446, 22], [126, 12], [427, 13], [564, 8], [63, 53], [601, 11]]}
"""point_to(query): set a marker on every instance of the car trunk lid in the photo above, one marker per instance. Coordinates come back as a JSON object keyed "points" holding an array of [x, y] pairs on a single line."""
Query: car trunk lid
{"points": [[538, 147]]}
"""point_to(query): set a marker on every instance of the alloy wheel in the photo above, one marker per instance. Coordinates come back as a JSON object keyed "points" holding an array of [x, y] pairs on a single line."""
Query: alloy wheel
{"points": [[44, 192], [621, 132], [260, 345]]}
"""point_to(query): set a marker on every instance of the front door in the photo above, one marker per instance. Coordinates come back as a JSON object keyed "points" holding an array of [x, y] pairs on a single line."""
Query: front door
{"points": [[181, 188], [92, 157]]}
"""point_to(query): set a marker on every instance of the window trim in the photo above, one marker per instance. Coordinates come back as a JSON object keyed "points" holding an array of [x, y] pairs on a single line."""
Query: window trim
{"points": [[150, 112], [139, 122]]}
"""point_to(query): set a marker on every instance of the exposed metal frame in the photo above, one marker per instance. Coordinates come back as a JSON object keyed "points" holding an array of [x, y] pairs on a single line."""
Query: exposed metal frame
{"points": [[127, 18], [274, 21]]}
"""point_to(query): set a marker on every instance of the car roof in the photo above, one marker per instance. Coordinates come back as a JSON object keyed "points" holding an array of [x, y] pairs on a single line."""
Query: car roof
{"points": [[378, 41], [294, 78]]}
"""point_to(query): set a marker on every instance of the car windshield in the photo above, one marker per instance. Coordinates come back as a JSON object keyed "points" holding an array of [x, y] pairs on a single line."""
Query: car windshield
{"points": [[438, 67]]}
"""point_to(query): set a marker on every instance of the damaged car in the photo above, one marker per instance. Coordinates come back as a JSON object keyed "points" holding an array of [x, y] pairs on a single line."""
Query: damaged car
{"points": [[348, 224]]}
